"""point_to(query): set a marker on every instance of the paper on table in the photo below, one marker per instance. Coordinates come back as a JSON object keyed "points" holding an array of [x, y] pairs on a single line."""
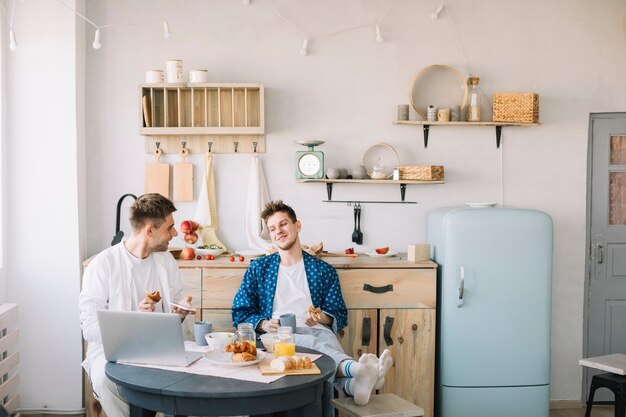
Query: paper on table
{"points": [[204, 367]]}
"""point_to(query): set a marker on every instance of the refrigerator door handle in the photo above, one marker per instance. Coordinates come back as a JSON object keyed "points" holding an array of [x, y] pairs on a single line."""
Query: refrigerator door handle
{"points": [[461, 288]]}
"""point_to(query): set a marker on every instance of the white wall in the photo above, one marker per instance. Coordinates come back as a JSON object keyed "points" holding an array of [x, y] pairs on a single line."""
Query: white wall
{"points": [[43, 256], [345, 92]]}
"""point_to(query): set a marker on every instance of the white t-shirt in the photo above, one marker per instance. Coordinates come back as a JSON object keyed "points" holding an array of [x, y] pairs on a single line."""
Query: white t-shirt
{"points": [[144, 278], [292, 293]]}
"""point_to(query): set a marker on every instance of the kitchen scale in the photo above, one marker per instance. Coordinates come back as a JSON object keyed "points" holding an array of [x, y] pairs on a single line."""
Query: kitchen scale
{"points": [[310, 163]]}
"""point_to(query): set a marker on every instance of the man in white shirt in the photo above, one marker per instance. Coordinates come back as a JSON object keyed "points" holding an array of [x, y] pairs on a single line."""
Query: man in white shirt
{"points": [[119, 277], [290, 281]]}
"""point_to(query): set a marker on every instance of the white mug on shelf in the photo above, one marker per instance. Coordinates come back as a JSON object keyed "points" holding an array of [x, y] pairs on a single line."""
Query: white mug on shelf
{"points": [[198, 76], [154, 76], [174, 71]]}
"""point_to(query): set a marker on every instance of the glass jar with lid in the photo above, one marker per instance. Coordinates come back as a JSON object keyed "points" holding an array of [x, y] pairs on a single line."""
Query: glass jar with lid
{"points": [[284, 342], [472, 107], [245, 333]]}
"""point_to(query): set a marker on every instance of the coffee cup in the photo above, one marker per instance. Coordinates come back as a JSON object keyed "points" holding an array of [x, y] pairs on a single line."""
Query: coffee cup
{"points": [[288, 319], [200, 329], [154, 76], [198, 76]]}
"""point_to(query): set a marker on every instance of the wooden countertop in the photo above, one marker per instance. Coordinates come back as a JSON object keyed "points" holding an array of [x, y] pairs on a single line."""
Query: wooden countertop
{"points": [[398, 261]]}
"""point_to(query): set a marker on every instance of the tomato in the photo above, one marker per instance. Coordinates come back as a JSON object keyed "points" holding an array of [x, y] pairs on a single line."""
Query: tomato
{"points": [[232, 258], [241, 259], [199, 257], [208, 257], [212, 257]]}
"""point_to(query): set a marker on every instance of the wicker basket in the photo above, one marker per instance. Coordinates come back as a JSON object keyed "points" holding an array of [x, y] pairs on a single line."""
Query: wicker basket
{"points": [[516, 107], [421, 172]]}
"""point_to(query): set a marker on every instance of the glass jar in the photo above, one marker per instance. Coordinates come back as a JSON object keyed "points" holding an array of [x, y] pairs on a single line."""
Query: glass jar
{"points": [[245, 333], [472, 107], [284, 342]]}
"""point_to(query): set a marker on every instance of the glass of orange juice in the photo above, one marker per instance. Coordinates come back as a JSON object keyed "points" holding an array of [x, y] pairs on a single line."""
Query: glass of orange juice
{"points": [[284, 344]]}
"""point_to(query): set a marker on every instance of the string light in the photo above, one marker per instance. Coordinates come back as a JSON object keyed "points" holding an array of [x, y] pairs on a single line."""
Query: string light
{"points": [[379, 37], [13, 43], [246, 2], [96, 40], [305, 47], [435, 15], [166, 30]]}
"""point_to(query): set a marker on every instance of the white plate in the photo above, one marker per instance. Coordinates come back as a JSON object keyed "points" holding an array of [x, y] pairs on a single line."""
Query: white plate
{"points": [[187, 308], [489, 204], [373, 254], [249, 252], [381, 154], [217, 357]]}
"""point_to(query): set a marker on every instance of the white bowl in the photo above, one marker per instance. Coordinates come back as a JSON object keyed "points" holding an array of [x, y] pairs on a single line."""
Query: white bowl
{"points": [[268, 341], [219, 340], [214, 252]]}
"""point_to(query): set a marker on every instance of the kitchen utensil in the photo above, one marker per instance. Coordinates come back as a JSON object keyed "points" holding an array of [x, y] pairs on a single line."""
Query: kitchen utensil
{"points": [[383, 157], [355, 234], [338, 255], [183, 178], [359, 240], [441, 85], [147, 111], [157, 176]]}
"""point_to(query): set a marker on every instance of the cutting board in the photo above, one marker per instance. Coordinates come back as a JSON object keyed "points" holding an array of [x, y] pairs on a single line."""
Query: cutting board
{"points": [[183, 179], [264, 367], [147, 117], [157, 176]]}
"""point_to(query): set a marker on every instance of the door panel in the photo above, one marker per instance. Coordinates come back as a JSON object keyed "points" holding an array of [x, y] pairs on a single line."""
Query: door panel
{"points": [[191, 280], [351, 337], [413, 337], [606, 287]]}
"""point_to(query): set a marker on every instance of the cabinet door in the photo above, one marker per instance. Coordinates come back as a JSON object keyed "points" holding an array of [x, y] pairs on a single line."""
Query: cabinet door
{"points": [[412, 335], [352, 336], [192, 281], [222, 320]]}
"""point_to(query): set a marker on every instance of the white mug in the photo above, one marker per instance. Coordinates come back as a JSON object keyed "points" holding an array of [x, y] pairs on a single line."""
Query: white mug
{"points": [[198, 76], [154, 76], [174, 71]]}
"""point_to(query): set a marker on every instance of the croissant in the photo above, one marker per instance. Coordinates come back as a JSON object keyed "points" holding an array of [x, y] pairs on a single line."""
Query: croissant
{"points": [[154, 296], [306, 362], [243, 357], [241, 347], [315, 311]]}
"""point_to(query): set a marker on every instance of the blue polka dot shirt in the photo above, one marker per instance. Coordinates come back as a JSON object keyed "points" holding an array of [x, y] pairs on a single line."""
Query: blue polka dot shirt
{"points": [[255, 297]]}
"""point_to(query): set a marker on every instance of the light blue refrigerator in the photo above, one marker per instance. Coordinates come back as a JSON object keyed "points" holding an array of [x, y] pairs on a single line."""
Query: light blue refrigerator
{"points": [[494, 304]]}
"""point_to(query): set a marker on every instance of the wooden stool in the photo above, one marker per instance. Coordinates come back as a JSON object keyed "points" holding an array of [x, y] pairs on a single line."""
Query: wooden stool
{"points": [[616, 383], [383, 405]]}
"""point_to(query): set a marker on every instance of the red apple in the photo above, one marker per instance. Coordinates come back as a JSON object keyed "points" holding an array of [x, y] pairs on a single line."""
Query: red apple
{"points": [[191, 238], [188, 254], [194, 226], [186, 226], [349, 251], [382, 251]]}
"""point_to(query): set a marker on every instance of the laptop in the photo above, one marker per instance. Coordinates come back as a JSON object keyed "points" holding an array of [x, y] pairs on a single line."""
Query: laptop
{"points": [[144, 338]]}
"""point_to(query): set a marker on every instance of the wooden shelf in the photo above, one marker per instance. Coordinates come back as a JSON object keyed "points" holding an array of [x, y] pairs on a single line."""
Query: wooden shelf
{"points": [[403, 183], [224, 113], [426, 125]]}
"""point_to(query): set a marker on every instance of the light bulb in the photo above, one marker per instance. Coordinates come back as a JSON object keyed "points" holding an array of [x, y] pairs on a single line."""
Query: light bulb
{"points": [[246, 2], [13, 43], [305, 45], [166, 30], [96, 40], [379, 37], [435, 15]]}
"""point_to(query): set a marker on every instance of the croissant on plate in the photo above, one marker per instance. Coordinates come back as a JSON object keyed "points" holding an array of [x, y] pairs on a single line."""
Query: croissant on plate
{"points": [[243, 357], [241, 347]]}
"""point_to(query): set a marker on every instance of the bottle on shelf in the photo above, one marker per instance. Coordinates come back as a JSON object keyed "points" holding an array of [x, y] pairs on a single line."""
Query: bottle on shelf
{"points": [[472, 107], [245, 333], [284, 343]]}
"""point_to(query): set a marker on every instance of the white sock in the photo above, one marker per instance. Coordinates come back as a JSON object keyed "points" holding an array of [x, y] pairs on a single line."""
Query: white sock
{"points": [[349, 368], [385, 362], [363, 383]]}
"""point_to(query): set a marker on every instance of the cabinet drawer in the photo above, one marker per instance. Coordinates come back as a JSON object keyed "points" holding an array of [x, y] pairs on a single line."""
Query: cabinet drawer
{"points": [[412, 288], [219, 287]]}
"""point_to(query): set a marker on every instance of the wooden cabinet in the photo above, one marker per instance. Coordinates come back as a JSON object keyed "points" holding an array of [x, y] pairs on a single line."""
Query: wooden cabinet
{"points": [[394, 309], [229, 116]]}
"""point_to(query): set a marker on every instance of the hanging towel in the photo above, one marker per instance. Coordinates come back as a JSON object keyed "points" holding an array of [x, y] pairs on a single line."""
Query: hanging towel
{"points": [[256, 230], [206, 210]]}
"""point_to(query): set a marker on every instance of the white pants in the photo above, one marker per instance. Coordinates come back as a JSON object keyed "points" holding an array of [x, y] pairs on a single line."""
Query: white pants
{"points": [[106, 390]]}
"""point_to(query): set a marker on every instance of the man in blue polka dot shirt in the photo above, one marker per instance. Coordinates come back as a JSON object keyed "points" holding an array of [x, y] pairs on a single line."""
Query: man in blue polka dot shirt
{"points": [[291, 280]]}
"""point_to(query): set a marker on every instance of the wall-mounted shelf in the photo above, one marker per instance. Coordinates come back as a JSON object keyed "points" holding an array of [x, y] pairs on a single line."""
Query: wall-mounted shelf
{"points": [[401, 183], [222, 113], [427, 125]]}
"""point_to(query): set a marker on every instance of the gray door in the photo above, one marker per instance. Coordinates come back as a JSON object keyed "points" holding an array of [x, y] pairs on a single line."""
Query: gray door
{"points": [[606, 218]]}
